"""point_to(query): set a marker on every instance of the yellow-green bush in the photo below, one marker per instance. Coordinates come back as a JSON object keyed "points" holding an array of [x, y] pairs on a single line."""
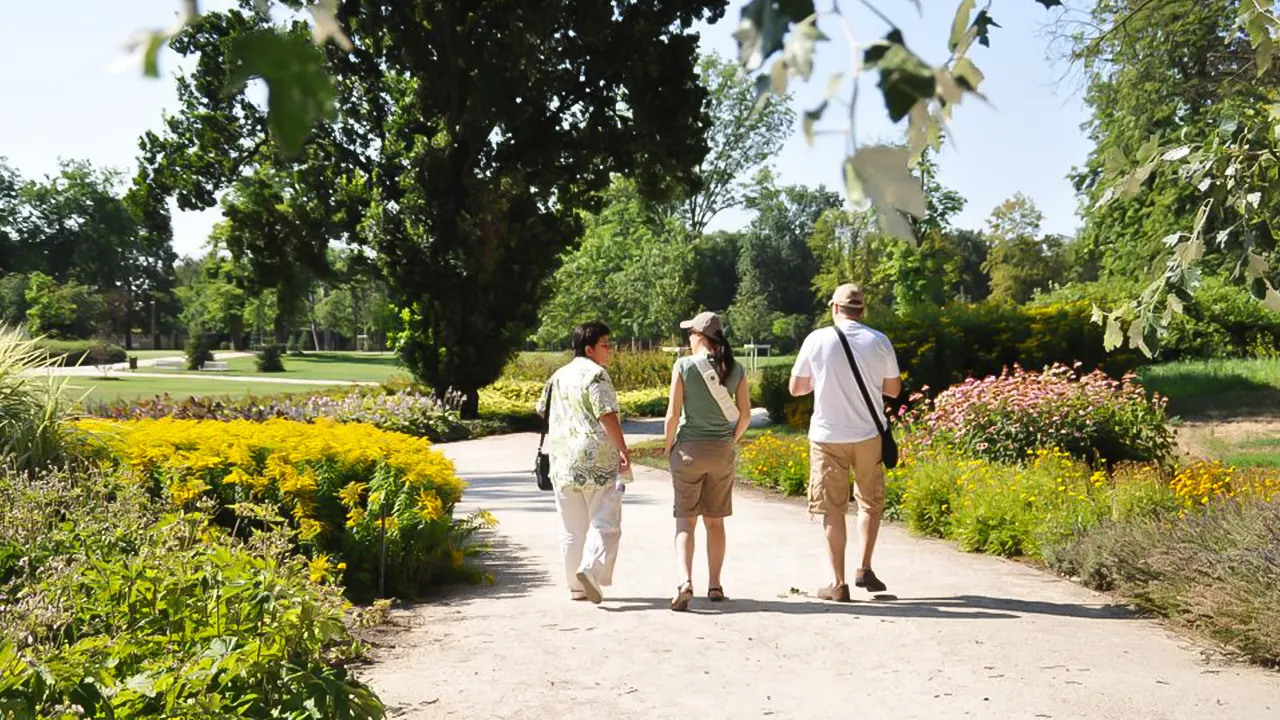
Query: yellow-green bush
{"points": [[334, 483], [780, 462]]}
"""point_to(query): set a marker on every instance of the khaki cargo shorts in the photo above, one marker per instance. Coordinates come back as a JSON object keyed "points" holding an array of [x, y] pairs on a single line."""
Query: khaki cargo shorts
{"points": [[829, 466], [702, 474]]}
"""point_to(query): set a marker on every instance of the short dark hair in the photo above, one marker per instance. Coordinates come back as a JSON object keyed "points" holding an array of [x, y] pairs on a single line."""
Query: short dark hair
{"points": [[587, 335]]}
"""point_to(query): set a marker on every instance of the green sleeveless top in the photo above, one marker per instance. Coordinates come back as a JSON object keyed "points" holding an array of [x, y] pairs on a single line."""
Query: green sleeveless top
{"points": [[701, 417]]}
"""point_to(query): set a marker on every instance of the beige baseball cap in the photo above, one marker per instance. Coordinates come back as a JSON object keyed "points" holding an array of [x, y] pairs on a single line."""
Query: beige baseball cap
{"points": [[850, 296], [704, 323]]}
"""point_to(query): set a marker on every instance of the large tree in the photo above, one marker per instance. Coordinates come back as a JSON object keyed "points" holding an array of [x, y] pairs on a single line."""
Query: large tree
{"points": [[746, 131], [468, 136], [775, 260], [632, 269]]}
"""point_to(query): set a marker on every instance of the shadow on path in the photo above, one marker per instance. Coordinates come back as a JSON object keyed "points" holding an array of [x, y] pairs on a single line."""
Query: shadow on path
{"points": [[959, 607]]}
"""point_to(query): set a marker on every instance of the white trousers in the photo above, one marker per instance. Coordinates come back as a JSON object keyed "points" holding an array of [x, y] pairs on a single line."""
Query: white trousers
{"points": [[590, 527]]}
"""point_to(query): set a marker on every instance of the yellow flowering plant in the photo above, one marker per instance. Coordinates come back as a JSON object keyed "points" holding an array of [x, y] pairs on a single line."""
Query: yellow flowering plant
{"points": [[339, 486]]}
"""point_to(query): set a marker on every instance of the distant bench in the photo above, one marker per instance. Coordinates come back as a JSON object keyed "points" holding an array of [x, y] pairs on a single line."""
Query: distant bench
{"points": [[214, 366], [171, 364]]}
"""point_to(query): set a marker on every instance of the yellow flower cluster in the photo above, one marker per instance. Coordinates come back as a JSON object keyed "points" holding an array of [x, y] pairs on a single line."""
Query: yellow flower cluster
{"points": [[778, 461], [1203, 482], [292, 464]]}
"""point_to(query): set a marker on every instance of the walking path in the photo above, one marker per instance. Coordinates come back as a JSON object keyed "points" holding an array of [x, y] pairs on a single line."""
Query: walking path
{"points": [[967, 636]]}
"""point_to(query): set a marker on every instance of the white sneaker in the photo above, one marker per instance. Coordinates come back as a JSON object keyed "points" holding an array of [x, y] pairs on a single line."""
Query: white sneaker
{"points": [[590, 587]]}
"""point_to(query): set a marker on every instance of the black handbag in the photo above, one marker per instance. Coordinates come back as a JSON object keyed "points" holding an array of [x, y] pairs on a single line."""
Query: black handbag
{"points": [[888, 446], [542, 461]]}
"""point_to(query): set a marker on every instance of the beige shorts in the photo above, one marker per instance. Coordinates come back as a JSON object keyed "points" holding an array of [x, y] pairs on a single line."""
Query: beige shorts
{"points": [[829, 466], [702, 474]]}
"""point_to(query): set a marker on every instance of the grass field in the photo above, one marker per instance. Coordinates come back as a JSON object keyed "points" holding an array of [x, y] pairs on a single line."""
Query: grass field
{"points": [[124, 387], [352, 367], [1218, 388]]}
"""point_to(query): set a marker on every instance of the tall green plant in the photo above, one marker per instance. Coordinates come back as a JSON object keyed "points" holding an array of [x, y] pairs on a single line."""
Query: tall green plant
{"points": [[33, 405]]}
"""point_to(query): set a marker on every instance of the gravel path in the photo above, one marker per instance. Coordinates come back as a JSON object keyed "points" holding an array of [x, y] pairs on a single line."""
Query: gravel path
{"points": [[965, 636]]}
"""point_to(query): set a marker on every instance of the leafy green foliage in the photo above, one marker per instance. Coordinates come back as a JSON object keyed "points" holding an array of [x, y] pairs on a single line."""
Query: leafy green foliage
{"points": [[66, 311], [199, 349], [744, 134], [270, 359], [210, 626], [633, 268], [33, 407], [83, 352], [299, 90]]}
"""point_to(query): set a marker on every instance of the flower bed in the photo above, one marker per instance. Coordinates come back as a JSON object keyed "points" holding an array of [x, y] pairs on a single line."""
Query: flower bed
{"points": [[133, 612], [1011, 415], [335, 483]]}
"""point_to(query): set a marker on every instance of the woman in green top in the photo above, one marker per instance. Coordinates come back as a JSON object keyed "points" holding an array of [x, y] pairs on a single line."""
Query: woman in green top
{"points": [[708, 411]]}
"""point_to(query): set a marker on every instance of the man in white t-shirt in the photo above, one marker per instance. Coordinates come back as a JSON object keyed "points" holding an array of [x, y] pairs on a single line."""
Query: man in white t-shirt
{"points": [[842, 434]]}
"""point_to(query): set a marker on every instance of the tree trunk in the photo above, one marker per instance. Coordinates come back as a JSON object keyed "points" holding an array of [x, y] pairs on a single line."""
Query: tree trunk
{"points": [[155, 336], [470, 404], [278, 328]]}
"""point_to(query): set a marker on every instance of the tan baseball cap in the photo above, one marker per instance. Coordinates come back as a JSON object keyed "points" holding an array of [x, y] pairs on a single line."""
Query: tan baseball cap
{"points": [[704, 323], [850, 296]]}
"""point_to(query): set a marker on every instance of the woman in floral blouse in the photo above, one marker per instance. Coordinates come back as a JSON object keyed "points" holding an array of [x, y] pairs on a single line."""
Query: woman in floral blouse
{"points": [[589, 461]]}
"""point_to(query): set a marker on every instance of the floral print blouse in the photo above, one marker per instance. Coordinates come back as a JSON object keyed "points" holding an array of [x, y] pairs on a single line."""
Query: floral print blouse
{"points": [[581, 454]]}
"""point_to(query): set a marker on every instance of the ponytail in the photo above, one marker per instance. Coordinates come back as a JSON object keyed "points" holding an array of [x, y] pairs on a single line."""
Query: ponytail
{"points": [[722, 354]]}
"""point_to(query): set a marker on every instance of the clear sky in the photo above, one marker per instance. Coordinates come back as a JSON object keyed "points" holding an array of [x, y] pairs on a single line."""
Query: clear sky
{"points": [[59, 98]]}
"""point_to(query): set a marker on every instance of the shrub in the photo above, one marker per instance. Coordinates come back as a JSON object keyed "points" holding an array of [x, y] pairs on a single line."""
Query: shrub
{"points": [[33, 406], [270, 359], [333, 482], [410, 412], [775, 397], [83, 352], [780, 462], [628, 370], [1009, 416], [190, 635], [1213, 569], [651, 402], [940, 347], [199, 350]]}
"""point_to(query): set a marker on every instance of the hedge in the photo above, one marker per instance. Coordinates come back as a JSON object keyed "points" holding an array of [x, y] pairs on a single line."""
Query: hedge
{"points": [[84, 352]]}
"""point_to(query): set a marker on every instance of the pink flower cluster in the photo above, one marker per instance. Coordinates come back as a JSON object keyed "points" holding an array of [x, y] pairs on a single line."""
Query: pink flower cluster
{"points": [[1005, 417]]}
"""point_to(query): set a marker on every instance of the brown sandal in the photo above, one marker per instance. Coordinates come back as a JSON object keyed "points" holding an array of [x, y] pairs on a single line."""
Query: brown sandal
{"points": [[716, 594], [684, 594]]}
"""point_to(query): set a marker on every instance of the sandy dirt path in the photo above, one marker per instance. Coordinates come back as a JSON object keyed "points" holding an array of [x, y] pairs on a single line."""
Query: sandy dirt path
{"points": [[967, 636]]}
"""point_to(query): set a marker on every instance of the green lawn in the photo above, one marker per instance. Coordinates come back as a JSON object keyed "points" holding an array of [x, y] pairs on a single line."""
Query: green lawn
{"points": [[350, 366], [1217, 388], [124, 387], [152, 354]]}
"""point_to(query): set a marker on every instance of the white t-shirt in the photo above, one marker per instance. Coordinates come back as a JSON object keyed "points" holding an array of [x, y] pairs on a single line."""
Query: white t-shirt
{"points": [[839, 412]]}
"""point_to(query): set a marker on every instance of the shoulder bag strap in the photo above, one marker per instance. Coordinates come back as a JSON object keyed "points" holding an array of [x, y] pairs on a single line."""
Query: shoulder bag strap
{"points": [[718, 391], [546, 427], [853, 365]]}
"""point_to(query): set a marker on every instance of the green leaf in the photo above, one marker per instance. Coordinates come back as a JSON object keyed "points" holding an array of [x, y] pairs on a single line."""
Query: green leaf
{"points": [[299, 89], [1266, 50], [879, 173], [800, 47], [1148, 149], [810, 118], [778, 77], [1113, 336], [1272, 300], [760, 33], [151, 56], [983, 24], [968, 75], [904, 78], [833, 84], [961, 23], [1133, 184], [1176, 154]]}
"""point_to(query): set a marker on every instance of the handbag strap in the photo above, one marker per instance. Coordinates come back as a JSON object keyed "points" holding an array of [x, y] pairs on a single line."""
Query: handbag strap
{"points": [[546, 427], [718, 391], [853, 365]]}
